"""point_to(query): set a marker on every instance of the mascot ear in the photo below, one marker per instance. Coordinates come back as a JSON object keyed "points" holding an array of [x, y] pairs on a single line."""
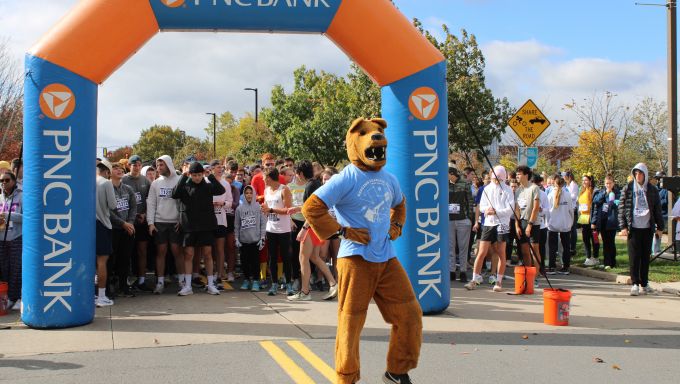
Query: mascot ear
{"points": [[380, 122], [355, 124]]}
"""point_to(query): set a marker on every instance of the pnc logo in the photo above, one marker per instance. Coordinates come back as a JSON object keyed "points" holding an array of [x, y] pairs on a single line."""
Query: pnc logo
{"points": [[173, 3], [424, 103], [57, 101]]}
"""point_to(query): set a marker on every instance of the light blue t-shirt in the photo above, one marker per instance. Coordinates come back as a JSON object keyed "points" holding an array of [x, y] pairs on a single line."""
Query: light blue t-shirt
{"points": [[363, 200]]}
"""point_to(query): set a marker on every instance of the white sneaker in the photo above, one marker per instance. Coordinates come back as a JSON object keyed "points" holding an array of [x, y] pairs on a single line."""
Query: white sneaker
{"points": [[230, 277], [635, 290], [332, 292], [300, 296], [646, 290], [210, 289], [103, 301], [17, 305], [591, 262], [159, 288], [497, 288], [186, 291]]}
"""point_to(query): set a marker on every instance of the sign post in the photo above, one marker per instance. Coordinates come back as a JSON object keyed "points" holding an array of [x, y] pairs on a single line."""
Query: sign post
{"points": [[527, 156]]}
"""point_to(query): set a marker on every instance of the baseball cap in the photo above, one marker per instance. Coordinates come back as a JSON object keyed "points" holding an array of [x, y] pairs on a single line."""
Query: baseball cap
{"points": [[134, 159], [190, 159], [107, 164], [196, 167], [5, 165], [659, 174]]}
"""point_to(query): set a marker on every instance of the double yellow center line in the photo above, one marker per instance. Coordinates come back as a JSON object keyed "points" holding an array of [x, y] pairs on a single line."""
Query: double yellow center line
{"points": [[291, 368]]}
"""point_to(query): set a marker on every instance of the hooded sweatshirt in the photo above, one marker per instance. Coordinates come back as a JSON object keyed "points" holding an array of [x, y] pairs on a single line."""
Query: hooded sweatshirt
{"points": [[561, 218], [250, 225], [160, 206], [13, 225], [501, 198], [126, 206], [197, 213], [640, 206]]}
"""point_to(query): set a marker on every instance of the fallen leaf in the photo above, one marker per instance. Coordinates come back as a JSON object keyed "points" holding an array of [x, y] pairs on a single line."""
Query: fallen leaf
{"points": [[598, 360], [616, 367], [465, 353], [626, 341], [155, 341], [525, 337]]}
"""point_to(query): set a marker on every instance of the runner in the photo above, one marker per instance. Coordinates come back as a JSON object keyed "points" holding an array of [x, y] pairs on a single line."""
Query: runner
{"points": [[123, 219], [250, 228], [461, 214], [585, 205], [106, 201], [140, 185], [560, 220], [277, 201], [605, 219]]}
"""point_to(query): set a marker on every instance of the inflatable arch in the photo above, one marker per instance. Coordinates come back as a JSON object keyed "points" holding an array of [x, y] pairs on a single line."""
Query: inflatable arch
{"points": [[65, 67]]}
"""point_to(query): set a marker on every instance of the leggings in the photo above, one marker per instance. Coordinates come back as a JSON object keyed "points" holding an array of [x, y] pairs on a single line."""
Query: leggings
{"points": [[250, 261], [588, 241], [279, 244]]}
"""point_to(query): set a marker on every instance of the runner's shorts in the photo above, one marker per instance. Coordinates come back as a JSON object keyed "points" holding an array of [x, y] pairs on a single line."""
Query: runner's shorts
{"points": [[221, 232], [166, 233], [535, 237], [490, 234], [103, 240], [198, 239]]}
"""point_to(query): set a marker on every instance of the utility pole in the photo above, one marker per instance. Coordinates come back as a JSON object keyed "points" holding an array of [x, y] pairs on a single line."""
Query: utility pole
{"points": [[253, 89], [214, 115]]}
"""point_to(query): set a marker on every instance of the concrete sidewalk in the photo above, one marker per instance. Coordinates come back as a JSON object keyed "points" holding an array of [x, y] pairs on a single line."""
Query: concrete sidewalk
{"points": [[147, 321]]}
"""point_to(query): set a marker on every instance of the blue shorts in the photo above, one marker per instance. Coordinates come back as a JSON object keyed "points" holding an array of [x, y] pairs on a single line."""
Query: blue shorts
{"points": [[103, 240]]}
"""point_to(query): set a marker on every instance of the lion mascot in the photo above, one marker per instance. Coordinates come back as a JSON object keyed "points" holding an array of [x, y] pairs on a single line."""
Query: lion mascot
{"points": [[370, 210]]}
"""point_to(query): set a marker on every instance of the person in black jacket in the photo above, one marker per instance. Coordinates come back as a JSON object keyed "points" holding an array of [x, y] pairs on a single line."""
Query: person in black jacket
{"points": [[640, 218], [198, 221], [604, 218]]}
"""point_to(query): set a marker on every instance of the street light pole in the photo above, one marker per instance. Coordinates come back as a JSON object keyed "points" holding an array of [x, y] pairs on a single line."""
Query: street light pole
{"points": [[214, 115], [672, 104], [255, 90]]}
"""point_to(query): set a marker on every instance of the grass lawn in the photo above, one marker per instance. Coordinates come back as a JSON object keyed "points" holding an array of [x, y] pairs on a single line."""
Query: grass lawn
{"points": [[660, 271]]}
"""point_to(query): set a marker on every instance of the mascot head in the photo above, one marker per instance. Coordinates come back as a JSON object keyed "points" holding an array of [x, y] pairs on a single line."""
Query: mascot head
{"points": [[366, 144]]}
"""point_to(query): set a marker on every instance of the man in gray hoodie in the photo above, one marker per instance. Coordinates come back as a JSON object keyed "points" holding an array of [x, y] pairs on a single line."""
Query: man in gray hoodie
{"points": [[123, 223], [162, 215]]}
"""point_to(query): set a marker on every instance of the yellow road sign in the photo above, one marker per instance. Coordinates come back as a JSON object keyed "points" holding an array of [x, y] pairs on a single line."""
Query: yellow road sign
{"points": [[529, 122]]}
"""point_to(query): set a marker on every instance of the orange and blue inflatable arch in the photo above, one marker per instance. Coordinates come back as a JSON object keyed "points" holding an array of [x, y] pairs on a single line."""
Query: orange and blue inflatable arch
{"points": [[64, 69]]}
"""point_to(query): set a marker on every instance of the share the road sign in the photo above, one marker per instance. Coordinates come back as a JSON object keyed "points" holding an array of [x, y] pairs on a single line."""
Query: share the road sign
{"points": [[529, 122]]}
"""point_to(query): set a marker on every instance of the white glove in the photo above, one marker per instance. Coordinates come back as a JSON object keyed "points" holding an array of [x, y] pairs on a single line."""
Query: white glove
{"points": [[238, 244], [260, 244]]}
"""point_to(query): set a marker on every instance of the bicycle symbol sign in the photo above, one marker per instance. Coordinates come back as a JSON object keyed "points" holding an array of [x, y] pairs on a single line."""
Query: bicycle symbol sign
{"points": [[529, 123]]}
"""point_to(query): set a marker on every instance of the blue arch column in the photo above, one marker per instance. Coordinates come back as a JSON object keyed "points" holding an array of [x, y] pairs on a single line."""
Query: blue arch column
{"points": [[418, 155], [59, 196]]}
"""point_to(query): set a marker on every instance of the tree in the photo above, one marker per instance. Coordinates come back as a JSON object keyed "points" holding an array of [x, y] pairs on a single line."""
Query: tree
{"points": [[311, 121], [469, 100], [121, 153], [650, 122], [604, 129], [11, 105], [226, 124], [160, 140]]}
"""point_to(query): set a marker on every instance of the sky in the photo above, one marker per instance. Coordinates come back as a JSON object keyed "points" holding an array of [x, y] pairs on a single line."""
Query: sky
{"points": [[552, 52]]}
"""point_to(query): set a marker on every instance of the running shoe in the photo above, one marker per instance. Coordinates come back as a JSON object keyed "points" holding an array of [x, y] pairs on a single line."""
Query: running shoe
{"points": [[300, 296], [159, 288], [392, 378], [536, 283], [550, 271], [497, 288], [186, 291], [142, 287], [332, 292], [646, 290], [492, 279], [591, 262], [230, 277], [103, 301], [635, 290], [272, 290], [563, 271], [212, 290], [463, 277], [246, 285], [256, 286], [607, 267], [289, 289], [16, 306], [196, 282], [473, 284]]}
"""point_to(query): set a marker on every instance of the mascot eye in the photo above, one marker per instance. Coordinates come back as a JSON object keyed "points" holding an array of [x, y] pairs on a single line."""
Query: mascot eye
{"points": [[362, 133]]}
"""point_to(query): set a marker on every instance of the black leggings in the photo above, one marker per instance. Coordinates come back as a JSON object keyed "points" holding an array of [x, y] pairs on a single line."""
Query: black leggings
{"points": [[122, 254], [250, 261], [279, 244], [609, 247], [589, 242]]}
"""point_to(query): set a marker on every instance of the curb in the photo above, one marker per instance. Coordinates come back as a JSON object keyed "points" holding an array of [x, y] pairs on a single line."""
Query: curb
{"points": [[619, 279]]}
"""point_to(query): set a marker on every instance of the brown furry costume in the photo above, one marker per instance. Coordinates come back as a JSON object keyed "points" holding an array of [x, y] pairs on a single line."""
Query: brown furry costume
{"points": [[359, 281]]}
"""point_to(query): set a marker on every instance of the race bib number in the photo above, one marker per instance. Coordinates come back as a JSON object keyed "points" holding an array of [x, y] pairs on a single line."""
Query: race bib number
{"points": [[522, 203], [583, 207], [503, 229], [248, 222], [454, 209], [138, 197], [605, 208], [122, 205], [165, 192], [640, 212], [218, 210]]}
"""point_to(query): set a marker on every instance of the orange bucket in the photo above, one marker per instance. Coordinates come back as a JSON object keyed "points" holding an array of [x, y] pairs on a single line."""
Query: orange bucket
{"points": [[520, 281], [556, 306], [3, 298]]}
